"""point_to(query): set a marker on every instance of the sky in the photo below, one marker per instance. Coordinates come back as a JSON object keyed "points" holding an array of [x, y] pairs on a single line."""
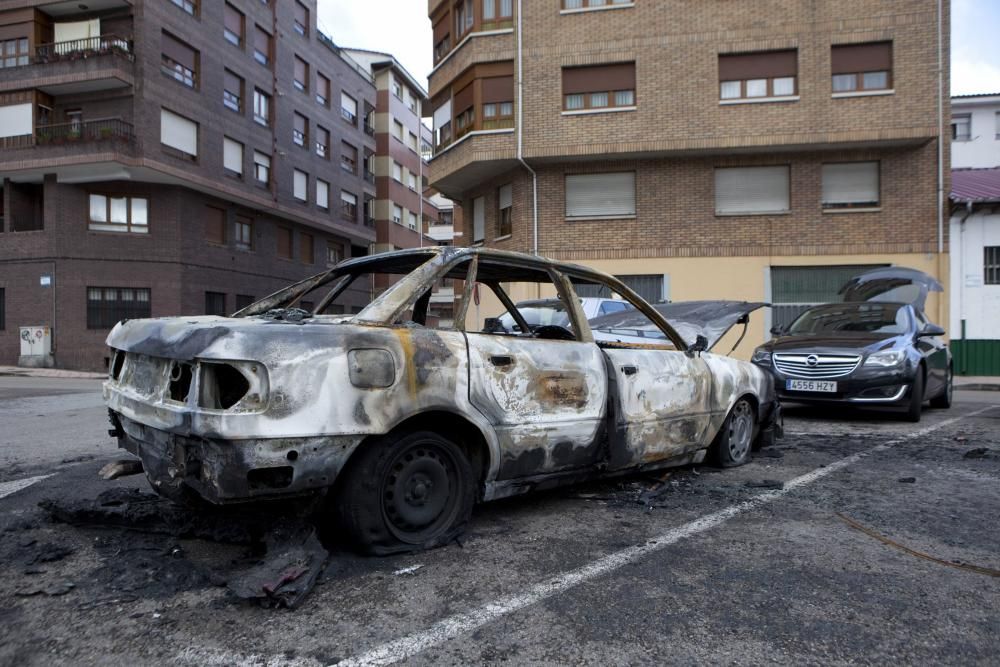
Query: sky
{"points": [[401, 27]]}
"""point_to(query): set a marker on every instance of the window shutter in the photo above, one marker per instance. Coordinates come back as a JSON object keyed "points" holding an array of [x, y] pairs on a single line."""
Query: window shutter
{"points": [[478, 219], [751, 189], [349, 104], [178, 132], [506, 196], [262, 41], [322, 194], [233, 83], [322, 86], [853, 58], [441, 28], [300, 123], [851, 183], [600, 195], [765, 65], [498, 89], [464, 99], [300, 70], [301, 184], [598, 78], [262, 159], [442, 115], [178, 51], [215, 225], [233, 20], [301, 14], [15, 120], [232, 157]]}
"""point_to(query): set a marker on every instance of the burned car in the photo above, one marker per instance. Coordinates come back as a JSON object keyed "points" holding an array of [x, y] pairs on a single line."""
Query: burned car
{"points": [[400, 421], [877, 349]]}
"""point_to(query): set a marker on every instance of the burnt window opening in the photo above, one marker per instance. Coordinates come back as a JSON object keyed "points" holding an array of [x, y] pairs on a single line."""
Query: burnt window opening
{"points": [[117, 364], [180, 381], [222, 386]]}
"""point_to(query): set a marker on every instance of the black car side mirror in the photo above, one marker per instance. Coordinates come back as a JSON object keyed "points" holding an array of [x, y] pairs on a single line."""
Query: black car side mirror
{"points": [[700, 344], [777, 331], [930, 330]]}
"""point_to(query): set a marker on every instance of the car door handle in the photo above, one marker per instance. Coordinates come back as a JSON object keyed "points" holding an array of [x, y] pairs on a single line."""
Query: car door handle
{"points": [[629, 370], [501, 360]]}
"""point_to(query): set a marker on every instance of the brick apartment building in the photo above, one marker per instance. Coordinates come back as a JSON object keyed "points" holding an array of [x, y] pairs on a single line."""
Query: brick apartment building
{"points": [[164, 157], [753, 150]]}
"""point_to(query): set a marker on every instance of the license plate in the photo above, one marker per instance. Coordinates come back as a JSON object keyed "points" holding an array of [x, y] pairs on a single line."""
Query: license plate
{"points": [[810, 385]]}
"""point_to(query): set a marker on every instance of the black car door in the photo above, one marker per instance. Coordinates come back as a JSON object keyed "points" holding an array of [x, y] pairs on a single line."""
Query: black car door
{"points": [[935, 354]]}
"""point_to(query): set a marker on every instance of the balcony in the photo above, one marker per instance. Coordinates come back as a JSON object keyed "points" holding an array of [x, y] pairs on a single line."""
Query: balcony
{"points": [[475, 157], [369, 129], [113, 133], [73, 67], [370, 177]]}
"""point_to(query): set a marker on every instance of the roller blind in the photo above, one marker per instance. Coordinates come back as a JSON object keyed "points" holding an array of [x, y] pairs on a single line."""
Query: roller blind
{"points": [[850, 183], [262, 41], [262, 159], [442, 115], [15, 120], [178, 132], [322, 194], [598, 78], [349, 104], [506, 196], [233, 83], [498, 89], [464, 99], [232, 155], [751, 189], [853, 58], [441, 28], [478, 219], [765, 65], [233, 20], [300, 70], [300, 184], [301, 14], [300, 123], [178, 51], [600, 195], [348, 198]]}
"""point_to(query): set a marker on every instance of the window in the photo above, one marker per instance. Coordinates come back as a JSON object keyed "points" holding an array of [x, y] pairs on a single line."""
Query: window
{"points": [[215, 225], [464, 18], [505, 208], [411, 142], [478, 220], [442, 37], [598, 87], [851, 185], [348, 158], [397, 130], [233, 25], [322, 90], [300, 129], [306, 255], [14, 52], [332, 253], [107, 306], [232, 92], [261, 107], [322, 142], [442, 123], [498, 102], [300, 20], [190, 6], [412, 220], [997, 123], [861, 67], [397, 90], [606, 195], [497, 14], [348, 206], [412, 181], [349, 108], [284, 240], [243, 232], [261, 46], [215, 303], [3, 308], [119, 213], [300, 185], [991, 265], [397, 172], [262, 167], [232, 156], [244, 300], [397, 214], [179, 133], [178, 61], [961, 127], [741, 190], [411, 101], [322, 194], [763, 75], [301, 78]]}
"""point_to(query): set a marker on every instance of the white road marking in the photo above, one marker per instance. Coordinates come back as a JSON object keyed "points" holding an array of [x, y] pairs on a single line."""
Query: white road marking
{"points": [[7, 488], [407, 570], [449, 628]]}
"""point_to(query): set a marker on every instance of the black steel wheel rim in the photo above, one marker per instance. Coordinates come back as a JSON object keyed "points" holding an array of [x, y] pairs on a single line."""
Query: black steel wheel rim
{"points": [[420, 492], [740, 431]]}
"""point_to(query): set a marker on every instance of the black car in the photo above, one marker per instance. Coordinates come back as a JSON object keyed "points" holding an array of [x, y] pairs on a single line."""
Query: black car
{"points": [[876, 353]]}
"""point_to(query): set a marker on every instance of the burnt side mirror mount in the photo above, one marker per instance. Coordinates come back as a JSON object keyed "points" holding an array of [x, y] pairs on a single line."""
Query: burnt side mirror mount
{"points": [[700, 344], [930, 330]]}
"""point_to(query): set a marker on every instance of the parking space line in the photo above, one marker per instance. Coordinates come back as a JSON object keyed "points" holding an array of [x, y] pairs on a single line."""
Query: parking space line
{"points": [[8, 488], [459, 624]]}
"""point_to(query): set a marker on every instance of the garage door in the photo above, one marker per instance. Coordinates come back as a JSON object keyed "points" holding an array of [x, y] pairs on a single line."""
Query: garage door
{"points": [[794, 289]]}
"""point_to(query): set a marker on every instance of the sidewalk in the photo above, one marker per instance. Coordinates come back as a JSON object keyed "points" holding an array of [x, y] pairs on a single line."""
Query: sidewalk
{"points": [[977, 383], [49, 373]]}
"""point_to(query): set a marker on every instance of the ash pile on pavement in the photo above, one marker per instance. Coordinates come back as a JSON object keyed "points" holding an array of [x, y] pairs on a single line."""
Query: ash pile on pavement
{"points": [[149, 547]]}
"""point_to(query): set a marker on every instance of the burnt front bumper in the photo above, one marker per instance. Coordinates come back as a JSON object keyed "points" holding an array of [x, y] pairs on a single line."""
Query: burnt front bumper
{"points": [[228, 471]]}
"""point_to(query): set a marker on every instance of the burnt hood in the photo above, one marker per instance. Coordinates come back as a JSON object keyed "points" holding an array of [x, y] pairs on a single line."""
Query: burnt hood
{"points": [[897, 284], [711, 319]]}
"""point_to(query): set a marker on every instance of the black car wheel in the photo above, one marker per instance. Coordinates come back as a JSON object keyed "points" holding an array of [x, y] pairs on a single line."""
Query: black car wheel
{"points": [[732, 445], [943, 400], [406, 493], [916, 397]]}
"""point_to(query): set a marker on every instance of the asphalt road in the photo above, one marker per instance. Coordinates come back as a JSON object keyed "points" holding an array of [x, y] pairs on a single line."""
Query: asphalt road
{"points": [[746, 566]]}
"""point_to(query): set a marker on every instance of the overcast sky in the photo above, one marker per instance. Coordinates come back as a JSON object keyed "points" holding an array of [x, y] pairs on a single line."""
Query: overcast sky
{"points": [[401, 27]]}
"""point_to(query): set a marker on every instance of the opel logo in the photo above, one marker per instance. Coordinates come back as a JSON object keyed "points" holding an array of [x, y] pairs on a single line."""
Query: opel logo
{"points": [[812, 360]]}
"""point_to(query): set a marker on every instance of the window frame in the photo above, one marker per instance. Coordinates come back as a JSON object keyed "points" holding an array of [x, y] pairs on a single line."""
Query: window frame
{"points": [[100, 318], [505, 214], [847, 207], [258, 166], [241, 223], [107, 225], [991, 265], [348, 209], [765, 62], [611, 92], [20, 58], [261, 99], [624, 214], [967, 117], [858, 88], [228, 34], [226, 93]]}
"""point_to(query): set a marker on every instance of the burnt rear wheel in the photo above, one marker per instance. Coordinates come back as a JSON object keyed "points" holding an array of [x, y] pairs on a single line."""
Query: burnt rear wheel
{"points": [[732, 445], [405, 493]]}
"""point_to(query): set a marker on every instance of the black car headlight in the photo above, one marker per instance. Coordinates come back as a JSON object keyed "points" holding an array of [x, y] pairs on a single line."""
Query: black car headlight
{"points": [[886, 358], [761, 356]]}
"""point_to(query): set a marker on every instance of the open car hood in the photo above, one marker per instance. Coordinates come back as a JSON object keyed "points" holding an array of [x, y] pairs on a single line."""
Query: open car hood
{"points": [[711, 319], [897, 284]]}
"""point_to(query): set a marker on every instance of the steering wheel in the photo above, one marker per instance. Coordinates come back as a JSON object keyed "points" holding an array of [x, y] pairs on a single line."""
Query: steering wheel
{"points": [[553, 332]]}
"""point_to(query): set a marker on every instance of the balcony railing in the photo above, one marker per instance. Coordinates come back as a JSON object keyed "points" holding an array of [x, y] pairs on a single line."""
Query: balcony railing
{"points": [[369, 129], [370, 176], [84, 48], [369, 221], [101, 130]]}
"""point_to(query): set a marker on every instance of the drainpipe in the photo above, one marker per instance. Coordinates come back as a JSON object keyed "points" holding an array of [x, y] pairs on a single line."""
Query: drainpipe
{"points": [[940, 148], [520, 136], [961, 274]]}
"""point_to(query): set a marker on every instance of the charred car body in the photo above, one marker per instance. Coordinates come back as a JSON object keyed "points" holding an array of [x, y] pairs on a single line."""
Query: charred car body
{"points": [[877, 349], [404, 425]]}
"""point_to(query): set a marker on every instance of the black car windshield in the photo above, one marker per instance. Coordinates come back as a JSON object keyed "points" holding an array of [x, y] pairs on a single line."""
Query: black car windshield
{"points": [[853, 318]]}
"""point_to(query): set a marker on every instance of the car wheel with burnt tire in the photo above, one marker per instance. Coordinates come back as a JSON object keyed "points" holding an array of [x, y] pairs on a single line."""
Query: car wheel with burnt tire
{"points": [[735, 439], [403, 493]]}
